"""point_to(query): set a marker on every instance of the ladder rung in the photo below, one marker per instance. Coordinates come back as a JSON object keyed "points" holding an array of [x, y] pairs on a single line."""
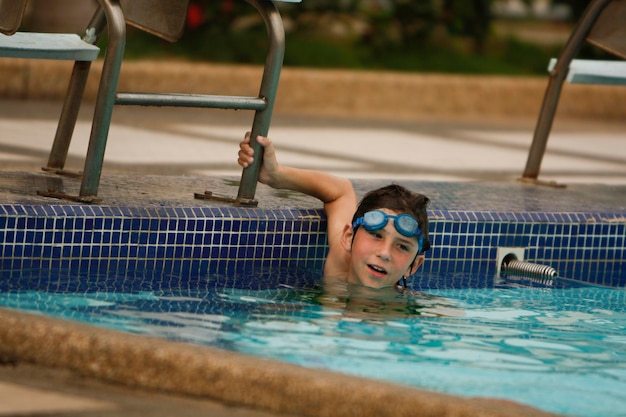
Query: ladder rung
{"points": [[191, 100], [34, 45]]}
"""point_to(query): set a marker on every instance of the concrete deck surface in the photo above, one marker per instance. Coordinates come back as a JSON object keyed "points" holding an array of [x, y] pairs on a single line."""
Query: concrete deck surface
{"points": [[185, 142], [30, 390], [172, 141]]}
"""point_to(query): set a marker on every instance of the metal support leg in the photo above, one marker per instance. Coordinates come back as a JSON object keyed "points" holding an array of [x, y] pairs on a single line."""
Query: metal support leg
{"points": [[116, 29], [269, 87], [263, 114], [69, 115], [553, 91], [73, 99]]}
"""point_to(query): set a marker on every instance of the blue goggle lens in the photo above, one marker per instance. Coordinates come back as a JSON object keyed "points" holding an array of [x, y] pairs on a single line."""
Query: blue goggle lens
{"points": [[374, 220]]}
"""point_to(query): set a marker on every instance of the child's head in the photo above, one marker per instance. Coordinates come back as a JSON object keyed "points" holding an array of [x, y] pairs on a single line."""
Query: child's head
{"points": [[384, 253], [400, 200]]}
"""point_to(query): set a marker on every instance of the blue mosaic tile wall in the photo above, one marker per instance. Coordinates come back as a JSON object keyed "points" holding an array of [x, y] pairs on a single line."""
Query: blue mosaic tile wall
{"points": [[587, 247], [188, 240]]}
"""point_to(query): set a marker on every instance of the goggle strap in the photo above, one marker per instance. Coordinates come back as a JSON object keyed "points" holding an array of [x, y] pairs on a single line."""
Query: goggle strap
{"points": [[357, 222]]}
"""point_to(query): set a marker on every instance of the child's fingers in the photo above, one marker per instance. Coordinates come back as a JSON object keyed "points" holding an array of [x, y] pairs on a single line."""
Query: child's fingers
{"points": [[245, 157], [263, 141], [244, 163], [246, 152], [245, 148]]}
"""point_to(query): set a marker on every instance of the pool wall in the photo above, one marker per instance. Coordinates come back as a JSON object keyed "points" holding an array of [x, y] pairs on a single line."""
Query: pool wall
{"points": [[196, 237]]}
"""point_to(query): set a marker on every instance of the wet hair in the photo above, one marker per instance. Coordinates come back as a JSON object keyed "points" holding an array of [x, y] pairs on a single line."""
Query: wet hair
{"points": [[401, 200]]}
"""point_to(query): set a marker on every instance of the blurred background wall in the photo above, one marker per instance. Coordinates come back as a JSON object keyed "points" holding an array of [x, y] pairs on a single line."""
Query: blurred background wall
{"points": [[457, 36], [371, 58]]}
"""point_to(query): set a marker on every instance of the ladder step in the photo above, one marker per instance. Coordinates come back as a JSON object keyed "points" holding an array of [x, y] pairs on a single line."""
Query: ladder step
{"points": [[191, 100], [59, 46], [586, 71]]}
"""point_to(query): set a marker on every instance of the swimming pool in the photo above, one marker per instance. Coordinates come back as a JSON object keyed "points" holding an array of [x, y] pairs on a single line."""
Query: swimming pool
{"points": [[560, 348], [76, 261]]}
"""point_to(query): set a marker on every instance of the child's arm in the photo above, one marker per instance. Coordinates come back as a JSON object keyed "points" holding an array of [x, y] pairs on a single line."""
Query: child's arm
{"points": [[336, 193]]}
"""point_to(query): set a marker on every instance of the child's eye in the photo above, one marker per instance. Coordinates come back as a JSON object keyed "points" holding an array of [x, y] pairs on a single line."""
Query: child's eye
{"points": [[404, 247], [375, 234]]}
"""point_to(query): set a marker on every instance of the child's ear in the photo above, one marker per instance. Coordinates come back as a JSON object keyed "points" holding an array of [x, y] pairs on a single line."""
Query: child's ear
{"points": [[419, 260], [347, 234]]}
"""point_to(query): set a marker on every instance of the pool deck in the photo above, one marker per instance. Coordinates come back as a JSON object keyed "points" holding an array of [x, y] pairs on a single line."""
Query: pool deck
{"points": [[183, 146]]}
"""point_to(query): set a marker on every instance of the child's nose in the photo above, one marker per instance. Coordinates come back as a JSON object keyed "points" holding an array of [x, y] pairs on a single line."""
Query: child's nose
{"points": [[384, 250]]}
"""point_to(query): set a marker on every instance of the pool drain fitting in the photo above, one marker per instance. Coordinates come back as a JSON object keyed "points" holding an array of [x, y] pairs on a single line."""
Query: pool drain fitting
{"points": [[542, 274]]}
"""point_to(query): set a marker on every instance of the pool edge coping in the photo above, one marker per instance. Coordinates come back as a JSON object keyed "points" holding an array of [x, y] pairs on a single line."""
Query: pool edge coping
{"points": [[228, 377]]}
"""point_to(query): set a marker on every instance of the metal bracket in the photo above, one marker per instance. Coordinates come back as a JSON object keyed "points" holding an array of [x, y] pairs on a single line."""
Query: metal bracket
{"points": [[77, 198], [503, 252], [535, 181], [240, 201], [64, 172]]}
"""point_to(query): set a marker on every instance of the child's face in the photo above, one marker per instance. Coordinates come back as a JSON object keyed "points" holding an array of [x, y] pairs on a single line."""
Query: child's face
{"points": [[380, 258]]}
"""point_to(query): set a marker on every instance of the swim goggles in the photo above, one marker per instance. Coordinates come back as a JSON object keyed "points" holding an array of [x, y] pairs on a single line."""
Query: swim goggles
{"points": [[404, 223]]}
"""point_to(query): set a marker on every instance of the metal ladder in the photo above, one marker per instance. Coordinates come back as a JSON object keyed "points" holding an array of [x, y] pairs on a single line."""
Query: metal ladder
{"points": [[164, 18], [603, 24]]}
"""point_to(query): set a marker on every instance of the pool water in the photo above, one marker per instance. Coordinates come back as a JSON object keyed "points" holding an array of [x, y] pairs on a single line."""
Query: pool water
{"points": [[561, 347]]}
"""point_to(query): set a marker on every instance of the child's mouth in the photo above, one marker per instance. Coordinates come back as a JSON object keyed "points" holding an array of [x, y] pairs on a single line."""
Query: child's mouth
{"points": [[377, 270]]}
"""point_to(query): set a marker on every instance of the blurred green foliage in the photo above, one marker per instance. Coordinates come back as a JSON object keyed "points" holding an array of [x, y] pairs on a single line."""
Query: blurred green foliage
{"points": [[404, 35]]}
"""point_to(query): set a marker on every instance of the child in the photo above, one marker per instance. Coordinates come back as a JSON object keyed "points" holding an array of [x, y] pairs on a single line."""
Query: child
{"points": [[376, 243]]}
